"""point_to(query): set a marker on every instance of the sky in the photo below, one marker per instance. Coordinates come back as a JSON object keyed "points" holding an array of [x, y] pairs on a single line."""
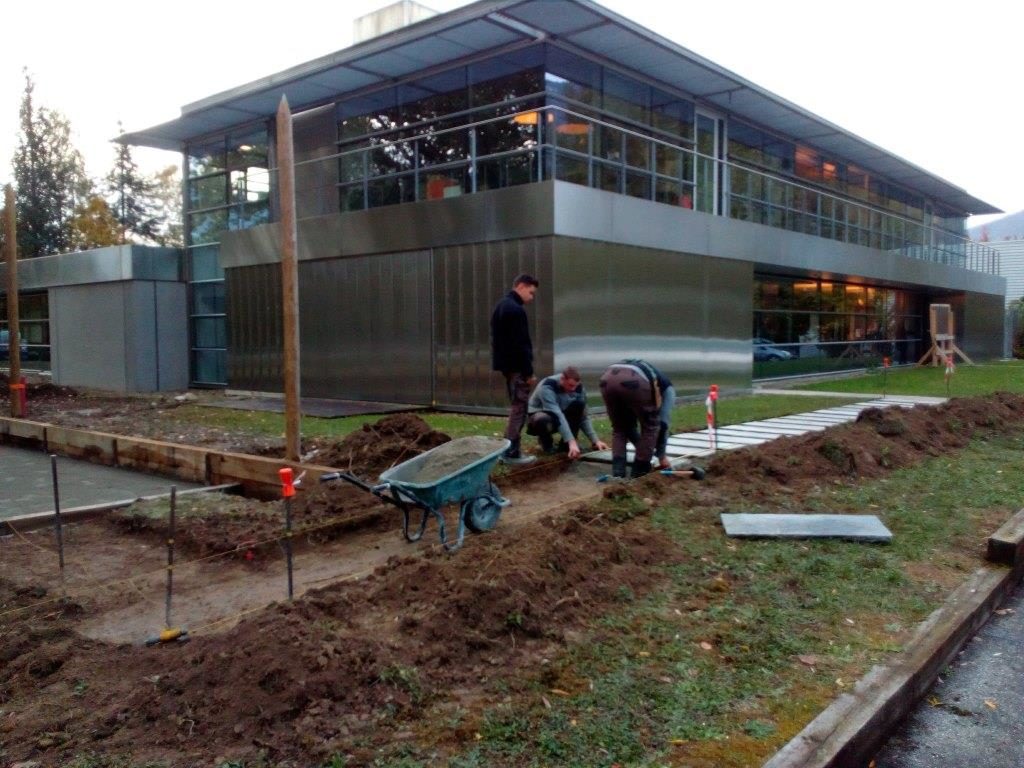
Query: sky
{"points": [[933, 81]]}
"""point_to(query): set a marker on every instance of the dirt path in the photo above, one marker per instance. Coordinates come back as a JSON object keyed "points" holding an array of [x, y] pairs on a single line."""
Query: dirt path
{"points": [[212, 596]]}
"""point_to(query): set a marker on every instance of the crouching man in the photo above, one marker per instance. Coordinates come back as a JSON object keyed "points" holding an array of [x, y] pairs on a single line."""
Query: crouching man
{"points": [[559, 404]]}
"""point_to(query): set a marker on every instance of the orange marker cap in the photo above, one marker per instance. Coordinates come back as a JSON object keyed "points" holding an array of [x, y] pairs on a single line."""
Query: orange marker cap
{"points": [[287, 482]]}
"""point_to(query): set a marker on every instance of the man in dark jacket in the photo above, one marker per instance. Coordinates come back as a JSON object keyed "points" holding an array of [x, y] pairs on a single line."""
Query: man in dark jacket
{"points": [[512, 354]]}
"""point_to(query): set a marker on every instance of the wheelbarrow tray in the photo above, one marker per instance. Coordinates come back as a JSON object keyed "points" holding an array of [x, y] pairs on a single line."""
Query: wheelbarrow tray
{"points": [[462, 483]]}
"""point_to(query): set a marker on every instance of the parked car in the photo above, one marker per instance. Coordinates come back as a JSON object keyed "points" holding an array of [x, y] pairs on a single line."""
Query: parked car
{"points": [[765, 349], [5, 346]]}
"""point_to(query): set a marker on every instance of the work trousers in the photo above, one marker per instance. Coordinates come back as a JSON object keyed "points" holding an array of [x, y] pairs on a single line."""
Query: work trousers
{"points": [[544, 424], [519, 397], [634, 415]]}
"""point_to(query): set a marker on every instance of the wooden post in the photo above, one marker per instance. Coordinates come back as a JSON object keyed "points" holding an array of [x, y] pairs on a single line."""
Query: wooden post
{"points": [[13, 335], [289, 280]]}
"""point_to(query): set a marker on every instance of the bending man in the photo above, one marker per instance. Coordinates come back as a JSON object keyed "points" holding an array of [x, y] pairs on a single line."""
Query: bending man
{"points": [[638, 394], [559, 404]]}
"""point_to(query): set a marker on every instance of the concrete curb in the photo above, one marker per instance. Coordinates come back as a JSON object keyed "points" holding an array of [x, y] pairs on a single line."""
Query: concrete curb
{"points": [[852, 729]]}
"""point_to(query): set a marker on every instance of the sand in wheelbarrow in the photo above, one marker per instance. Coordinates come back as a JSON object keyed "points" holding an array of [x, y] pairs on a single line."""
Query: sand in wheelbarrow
{"points": [[450, 458]]}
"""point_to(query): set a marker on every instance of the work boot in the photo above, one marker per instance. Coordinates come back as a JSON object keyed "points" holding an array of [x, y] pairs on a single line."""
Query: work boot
{"points": [[547, 443], [641, 468], [514, 456], [619, 466]]}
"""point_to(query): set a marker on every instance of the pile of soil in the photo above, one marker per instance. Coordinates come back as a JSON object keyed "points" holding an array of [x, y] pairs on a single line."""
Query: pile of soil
{"points": [[378, 446], [208, 525], [879, 441], [304, 680]]}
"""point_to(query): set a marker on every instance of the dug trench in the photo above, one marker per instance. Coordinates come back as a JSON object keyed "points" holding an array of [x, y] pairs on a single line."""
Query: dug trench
{"points": [[356, 663]]}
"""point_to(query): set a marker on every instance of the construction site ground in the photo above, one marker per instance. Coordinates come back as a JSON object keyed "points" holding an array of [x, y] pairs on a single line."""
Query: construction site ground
{"points": [[596, 625]]}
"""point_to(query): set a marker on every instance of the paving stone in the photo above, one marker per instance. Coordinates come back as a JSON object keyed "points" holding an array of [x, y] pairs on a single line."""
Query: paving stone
{"points": [[806, 526]]}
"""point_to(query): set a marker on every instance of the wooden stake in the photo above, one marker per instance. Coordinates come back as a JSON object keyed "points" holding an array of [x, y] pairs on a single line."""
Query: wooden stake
{"points": [[289, 280], [13, 335]]}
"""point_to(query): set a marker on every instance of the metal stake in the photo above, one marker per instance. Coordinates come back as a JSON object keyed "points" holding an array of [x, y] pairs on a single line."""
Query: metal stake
{"points": [[170, 556], [288, 540], [56, 513]]}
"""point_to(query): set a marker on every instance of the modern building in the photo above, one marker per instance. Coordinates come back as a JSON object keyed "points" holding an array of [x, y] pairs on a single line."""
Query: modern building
{"points": [[671, 209], [111, 318]]}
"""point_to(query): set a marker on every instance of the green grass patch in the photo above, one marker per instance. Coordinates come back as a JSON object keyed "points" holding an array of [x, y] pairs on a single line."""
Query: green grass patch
{"points": [[686, 417], [981, 379]]}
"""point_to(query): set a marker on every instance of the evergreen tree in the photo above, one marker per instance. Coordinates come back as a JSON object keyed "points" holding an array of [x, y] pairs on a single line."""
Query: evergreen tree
{"points": [[131, 198], [49, 176]]}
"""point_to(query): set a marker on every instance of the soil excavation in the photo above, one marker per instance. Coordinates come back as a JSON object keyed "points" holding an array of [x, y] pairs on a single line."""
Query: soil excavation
{"points": [[381, 630]]}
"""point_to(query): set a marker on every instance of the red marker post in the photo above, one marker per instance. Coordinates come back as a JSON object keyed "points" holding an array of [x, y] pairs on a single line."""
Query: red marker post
{"points": [[287, 491], [885, 374], [711, 404], [950, 370]]}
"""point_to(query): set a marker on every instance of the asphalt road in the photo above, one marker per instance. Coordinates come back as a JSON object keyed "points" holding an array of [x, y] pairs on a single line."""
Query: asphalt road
{"points": [[974, 714]]}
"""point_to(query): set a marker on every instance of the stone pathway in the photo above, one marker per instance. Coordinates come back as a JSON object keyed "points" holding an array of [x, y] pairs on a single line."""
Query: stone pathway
{"points": [[694, 445]]}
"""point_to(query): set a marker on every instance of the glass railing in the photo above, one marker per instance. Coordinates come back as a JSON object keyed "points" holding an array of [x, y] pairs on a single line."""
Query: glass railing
{"points": [[555, 142]]}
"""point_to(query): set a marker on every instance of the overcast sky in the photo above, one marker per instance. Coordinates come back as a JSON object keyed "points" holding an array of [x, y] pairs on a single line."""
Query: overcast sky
{"points": [[936, 82]]}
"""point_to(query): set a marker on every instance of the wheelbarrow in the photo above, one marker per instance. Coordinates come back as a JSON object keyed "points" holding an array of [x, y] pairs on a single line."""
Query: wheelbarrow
{"points": [[412, 485]]}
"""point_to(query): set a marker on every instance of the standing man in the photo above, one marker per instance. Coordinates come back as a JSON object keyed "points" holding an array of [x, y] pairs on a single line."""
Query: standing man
{"points": [[559, 404], [635, 392], [512, 354]]}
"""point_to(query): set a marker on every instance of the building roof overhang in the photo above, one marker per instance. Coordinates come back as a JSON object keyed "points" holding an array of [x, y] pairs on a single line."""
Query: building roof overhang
{"points": [[487, 25]]}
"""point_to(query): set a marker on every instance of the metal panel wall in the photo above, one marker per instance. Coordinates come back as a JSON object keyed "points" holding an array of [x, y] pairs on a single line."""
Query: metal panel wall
{"points": [[689, 315], [468, 281], [365, 327], [254, 328]]}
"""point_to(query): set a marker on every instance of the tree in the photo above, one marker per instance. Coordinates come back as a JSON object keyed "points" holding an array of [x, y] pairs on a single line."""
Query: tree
{"points": [[95, 226], [50, 178], [131, 198], [167, 203]]}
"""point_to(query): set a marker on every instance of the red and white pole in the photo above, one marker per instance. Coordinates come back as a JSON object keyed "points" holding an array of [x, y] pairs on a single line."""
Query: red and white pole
{"points": [[711, 404]]}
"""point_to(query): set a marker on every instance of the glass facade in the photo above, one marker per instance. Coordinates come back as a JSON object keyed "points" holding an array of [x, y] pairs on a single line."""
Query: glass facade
{"points": [[804, 326], [227, 187], [33, 331], [540, 113]]}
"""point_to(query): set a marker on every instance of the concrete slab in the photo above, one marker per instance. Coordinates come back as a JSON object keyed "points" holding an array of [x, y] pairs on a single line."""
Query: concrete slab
{"points": [[806, 526], [26, 483]]}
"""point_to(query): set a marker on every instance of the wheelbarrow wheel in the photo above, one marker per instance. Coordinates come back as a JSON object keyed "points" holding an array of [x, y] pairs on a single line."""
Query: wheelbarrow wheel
{"points": [[482, 512]]}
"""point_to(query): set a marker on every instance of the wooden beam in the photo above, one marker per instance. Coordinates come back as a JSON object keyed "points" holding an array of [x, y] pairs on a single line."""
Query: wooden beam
{"points": [[13, 335], [289, 280]]}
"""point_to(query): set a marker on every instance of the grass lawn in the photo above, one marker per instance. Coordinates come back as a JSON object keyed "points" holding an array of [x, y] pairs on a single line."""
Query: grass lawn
{"points": [[987, 376], [687, 417]]}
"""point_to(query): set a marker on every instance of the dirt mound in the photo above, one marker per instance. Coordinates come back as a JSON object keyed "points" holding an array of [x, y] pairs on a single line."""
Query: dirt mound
{"points": [[378, 446], [304, 680], [879, 441]]}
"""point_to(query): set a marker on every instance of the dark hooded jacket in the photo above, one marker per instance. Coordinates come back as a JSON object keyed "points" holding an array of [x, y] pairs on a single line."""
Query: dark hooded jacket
{"points": [[511, 348]]}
